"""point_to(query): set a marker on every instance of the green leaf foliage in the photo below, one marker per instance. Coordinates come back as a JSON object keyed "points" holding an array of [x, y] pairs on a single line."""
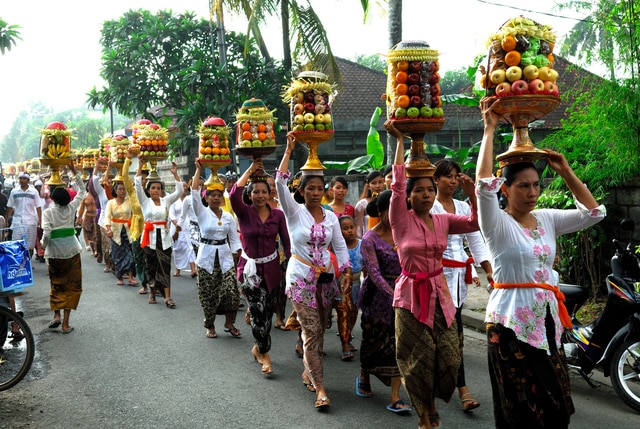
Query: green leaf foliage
{"points": [[8, 36]]}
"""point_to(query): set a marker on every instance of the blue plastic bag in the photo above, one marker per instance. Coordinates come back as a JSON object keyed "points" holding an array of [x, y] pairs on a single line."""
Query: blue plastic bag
{"points": [[15, 266]]}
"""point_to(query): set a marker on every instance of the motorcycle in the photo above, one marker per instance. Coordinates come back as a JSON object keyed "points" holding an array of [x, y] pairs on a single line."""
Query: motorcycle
{"points": [[612, 341]]}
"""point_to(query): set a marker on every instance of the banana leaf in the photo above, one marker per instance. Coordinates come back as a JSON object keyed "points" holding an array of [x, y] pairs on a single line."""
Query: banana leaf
{"points": [[374, 146]]}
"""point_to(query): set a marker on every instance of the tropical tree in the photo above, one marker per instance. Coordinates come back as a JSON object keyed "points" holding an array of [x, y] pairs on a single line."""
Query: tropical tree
{"points": [[300, 26], [163, 60], [8, 36], [373, 62]]}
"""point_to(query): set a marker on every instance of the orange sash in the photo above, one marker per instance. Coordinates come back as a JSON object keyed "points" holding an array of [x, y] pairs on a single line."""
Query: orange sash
{"points": [[148, 227], [565, 319], [127, 221]]}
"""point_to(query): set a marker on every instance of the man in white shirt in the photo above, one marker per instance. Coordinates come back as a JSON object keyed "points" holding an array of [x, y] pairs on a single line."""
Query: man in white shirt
{"points": [[25, 205]]}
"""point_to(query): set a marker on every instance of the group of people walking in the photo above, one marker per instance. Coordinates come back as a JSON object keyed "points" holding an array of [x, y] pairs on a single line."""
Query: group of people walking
{"points": [[398, 257]]}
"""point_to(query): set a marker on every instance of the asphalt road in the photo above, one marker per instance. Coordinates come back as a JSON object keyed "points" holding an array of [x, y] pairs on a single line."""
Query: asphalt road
{"points": [[129, 364]]}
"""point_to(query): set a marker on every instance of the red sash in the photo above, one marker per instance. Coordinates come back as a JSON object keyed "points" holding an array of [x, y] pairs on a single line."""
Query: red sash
{"points": [[148, 227], [452, 263]]}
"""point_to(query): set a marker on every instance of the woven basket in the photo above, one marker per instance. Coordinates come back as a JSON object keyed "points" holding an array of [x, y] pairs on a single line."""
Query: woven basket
{"points": [[313, 136]]}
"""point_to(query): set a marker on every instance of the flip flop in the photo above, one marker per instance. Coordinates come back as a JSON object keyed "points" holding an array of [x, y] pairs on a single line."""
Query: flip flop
{"points": [[120, 283], [211, 334], [143, 291], [68, 331], [267, 369], [468, 402], [133, 283], [322, 403], [54, 324], [234, 332], [395, 407], [364, 386]]}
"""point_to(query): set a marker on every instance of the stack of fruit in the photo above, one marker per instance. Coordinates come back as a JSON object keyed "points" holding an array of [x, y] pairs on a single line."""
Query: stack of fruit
{"points": [[520, 60], [56, 141], [89, 158], [137, 128], [119, 147], [254, 125], [413, 86], [310, 101], [103, 151], [153, 141], [214, 141]]}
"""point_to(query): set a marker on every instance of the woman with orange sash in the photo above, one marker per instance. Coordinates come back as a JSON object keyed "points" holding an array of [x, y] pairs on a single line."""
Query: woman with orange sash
{"points": [[117, 222], [525, 314], [156, 240]]}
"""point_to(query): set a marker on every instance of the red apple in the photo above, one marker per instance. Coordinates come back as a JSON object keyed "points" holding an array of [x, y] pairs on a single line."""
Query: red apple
{"points": [[435, 78], [503, 89], [157, 127], [413, 90], [536, 86], [309, 97], [309, 107], [416, 101], [211, 121], [144, 122], [520, 87], [413, 78], [550, 87], [414, 66]]}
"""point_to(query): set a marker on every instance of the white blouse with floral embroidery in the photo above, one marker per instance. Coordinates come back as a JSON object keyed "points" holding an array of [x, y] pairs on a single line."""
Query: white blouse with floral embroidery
{"points": [[522, 255]]}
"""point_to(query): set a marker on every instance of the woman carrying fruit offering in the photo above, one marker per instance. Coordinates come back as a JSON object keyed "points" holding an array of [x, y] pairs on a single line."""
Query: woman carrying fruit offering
{"points": [[217, 256], [117, 222], [427, 348], [259, 266], [311, 282], [156, 240], [525, 317]]}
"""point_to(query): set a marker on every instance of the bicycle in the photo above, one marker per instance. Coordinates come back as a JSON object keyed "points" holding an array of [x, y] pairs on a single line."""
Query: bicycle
{"points": [[17, 348]]}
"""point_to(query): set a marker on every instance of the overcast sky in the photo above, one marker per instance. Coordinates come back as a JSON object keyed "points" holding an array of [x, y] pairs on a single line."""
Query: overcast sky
{"points": [[58, 59]]}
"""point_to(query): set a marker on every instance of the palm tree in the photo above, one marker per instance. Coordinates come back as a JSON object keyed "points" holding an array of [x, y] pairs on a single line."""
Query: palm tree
{"points": [[300, 23], [8, 36]]}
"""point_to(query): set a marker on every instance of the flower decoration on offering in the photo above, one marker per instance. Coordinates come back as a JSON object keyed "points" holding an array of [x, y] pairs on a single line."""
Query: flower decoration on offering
{"points": [[310, 96], [519, 75], [255, 132], [55, 150], [413, 87], [214, 148], [520, 60]]}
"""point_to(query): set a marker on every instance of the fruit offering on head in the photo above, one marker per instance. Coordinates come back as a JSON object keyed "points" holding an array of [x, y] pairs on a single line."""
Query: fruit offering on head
{"points": [[214, 141], [254, 125], [137, 128], [56, 141], [310, 97], [413, 88], [119, 148], [153, 141], [522, 50]]}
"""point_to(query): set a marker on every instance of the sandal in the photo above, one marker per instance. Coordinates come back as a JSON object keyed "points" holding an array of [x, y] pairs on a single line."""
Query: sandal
{"points": [[346, 356], [194, 275], [308, 385], [363, 387], [120, 282], [399, 407], [299, 349], [170, 303], [247, 318], [233, 331], [267, 369], [143, 291], [152, 299], [322, 403], [133, 283], [176, 274], [468, 402], [211, 334]]}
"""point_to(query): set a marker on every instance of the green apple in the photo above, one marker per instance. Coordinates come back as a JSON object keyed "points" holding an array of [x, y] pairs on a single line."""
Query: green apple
{"points": [[309, 127], [256, 143], [269, 142], [413, 112], [298, 127], [208, 156], [328, 127], [400, 112], [426, 112], [152, 153], [215, 156], [327, 118], [438, 112], [245, 143], [319, 127], [298, 119], [309, 118]]}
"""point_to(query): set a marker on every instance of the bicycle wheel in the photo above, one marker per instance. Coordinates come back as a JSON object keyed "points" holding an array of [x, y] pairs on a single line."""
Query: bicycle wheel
{"points": [[18, 348]]}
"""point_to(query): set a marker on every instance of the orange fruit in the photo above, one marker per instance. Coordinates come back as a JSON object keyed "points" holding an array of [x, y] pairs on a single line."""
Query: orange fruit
{"points": [[224, 151], [203, 151], [215, 151], [512, 58], [262, 127], [246, 135], [154, 142], [401, 77], [246, 126], [403, 65], [508, 43], [401, 88], [262, 136], [404, 101]]}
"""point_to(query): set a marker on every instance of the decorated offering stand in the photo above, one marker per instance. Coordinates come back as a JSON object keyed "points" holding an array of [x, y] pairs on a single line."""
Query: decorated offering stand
{"points": [[255, 133], [519, 74], [153, 140], [104, 150], [310, 96], [413, 92], [214, 147], [55, 150], [118, 153]]}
